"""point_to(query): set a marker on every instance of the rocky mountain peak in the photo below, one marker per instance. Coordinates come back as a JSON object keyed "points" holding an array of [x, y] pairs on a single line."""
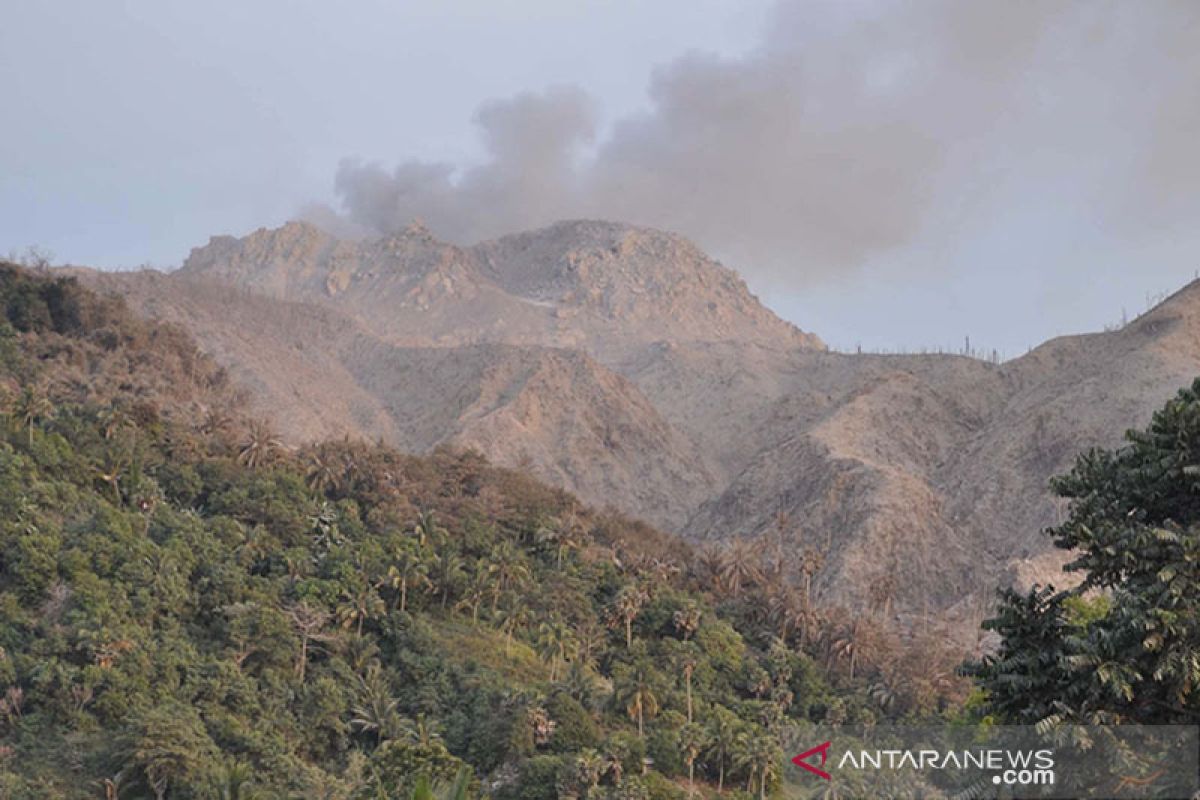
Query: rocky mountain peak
{"points": [[604, 286]]}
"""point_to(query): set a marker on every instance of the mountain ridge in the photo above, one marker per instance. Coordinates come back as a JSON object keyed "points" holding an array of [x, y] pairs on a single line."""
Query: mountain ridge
{"points": [[730, 419]]}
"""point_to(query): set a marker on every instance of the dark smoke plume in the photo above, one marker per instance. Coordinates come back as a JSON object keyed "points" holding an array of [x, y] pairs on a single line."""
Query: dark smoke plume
{"points": [[851, 129]]}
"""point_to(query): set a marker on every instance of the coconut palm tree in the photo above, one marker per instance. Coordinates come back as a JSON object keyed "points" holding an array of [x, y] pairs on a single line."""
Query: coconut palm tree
{"points": [[477, 588], [692, 741], [635, 690], [507, 568], [722, 737], [515, 617], [359, 604], [556, 640], [447, 571], [686, 661], [31, 407], [409, 569], [426, 529], [375, 712]]}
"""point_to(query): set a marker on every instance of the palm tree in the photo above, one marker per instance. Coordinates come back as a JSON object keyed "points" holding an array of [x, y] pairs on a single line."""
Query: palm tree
{"points": [[320, 472], [234, 782], [477, 587], [507, 568], [31, 407], [882, 593], [811, 561], [785, 609], [556, 640], [560, 538], [516, 617], [615, 753], [114, 785], [426, 529], [408, 570], [686, 661], [849, 643], [740, 565], [708, 561], [589, 766], [358, 605], [627, 606], [447, 572], [458, 790], [111, 420], [692, 740], [636, 691], [686, 619], [110, 472], [214, 421], [722, 739], [757, 753], [375, 712], [259, 445], [589, 637], [579, 684]]}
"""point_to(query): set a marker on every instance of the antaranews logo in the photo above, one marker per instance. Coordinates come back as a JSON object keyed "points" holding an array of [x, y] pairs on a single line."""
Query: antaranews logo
{"points": [[1148, 762], [1008, 767]]}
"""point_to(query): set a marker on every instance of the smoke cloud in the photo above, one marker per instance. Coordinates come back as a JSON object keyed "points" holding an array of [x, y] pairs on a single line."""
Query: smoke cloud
{"points": [[851, 129]]}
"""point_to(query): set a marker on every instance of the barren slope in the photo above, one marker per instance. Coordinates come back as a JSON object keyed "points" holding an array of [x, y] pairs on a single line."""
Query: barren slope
{"points": [[317, 374], [623, 364], [601, 287]]}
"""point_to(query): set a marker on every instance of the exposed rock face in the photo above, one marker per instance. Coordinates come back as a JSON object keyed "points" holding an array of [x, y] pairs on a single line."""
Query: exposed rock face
{"points": [[596, 286], [623, 364]]}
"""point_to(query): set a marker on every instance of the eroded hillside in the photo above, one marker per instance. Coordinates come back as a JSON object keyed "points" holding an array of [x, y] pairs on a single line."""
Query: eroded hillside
{"points": [[623, 364]]}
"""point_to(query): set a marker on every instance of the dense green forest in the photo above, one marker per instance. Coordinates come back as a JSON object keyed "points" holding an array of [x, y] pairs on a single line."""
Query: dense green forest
{"points": [[191, 609]]}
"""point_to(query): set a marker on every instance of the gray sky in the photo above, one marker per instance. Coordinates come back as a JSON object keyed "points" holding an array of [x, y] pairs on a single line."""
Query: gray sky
{"points": [[895, 174]]}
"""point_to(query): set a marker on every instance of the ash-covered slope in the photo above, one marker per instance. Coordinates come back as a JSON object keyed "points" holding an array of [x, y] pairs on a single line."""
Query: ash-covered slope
{"points": [[597, 286], [623, 364], [936, 467], [317, 374]]}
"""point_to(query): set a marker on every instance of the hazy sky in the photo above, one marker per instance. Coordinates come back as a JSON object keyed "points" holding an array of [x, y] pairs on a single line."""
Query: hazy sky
{"points": [[895, 174]]}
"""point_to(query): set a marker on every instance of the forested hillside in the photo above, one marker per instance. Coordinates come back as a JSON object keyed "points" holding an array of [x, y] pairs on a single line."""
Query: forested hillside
{"points": [[192, 610]]}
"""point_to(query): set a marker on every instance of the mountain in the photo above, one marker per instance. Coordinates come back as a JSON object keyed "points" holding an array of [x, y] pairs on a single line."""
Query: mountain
{"points": [[595, 286], [625, 365], [192, 610]]}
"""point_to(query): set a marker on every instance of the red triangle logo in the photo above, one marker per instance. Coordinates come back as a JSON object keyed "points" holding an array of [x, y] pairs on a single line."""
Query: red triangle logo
{"points": [[802, 760]]}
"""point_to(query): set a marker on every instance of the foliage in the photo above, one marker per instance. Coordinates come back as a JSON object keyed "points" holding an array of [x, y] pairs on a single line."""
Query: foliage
{"points": [[1124, 645]]}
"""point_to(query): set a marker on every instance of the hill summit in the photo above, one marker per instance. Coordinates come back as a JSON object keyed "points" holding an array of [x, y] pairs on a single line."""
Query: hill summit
{"points": [[604, 287]]}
